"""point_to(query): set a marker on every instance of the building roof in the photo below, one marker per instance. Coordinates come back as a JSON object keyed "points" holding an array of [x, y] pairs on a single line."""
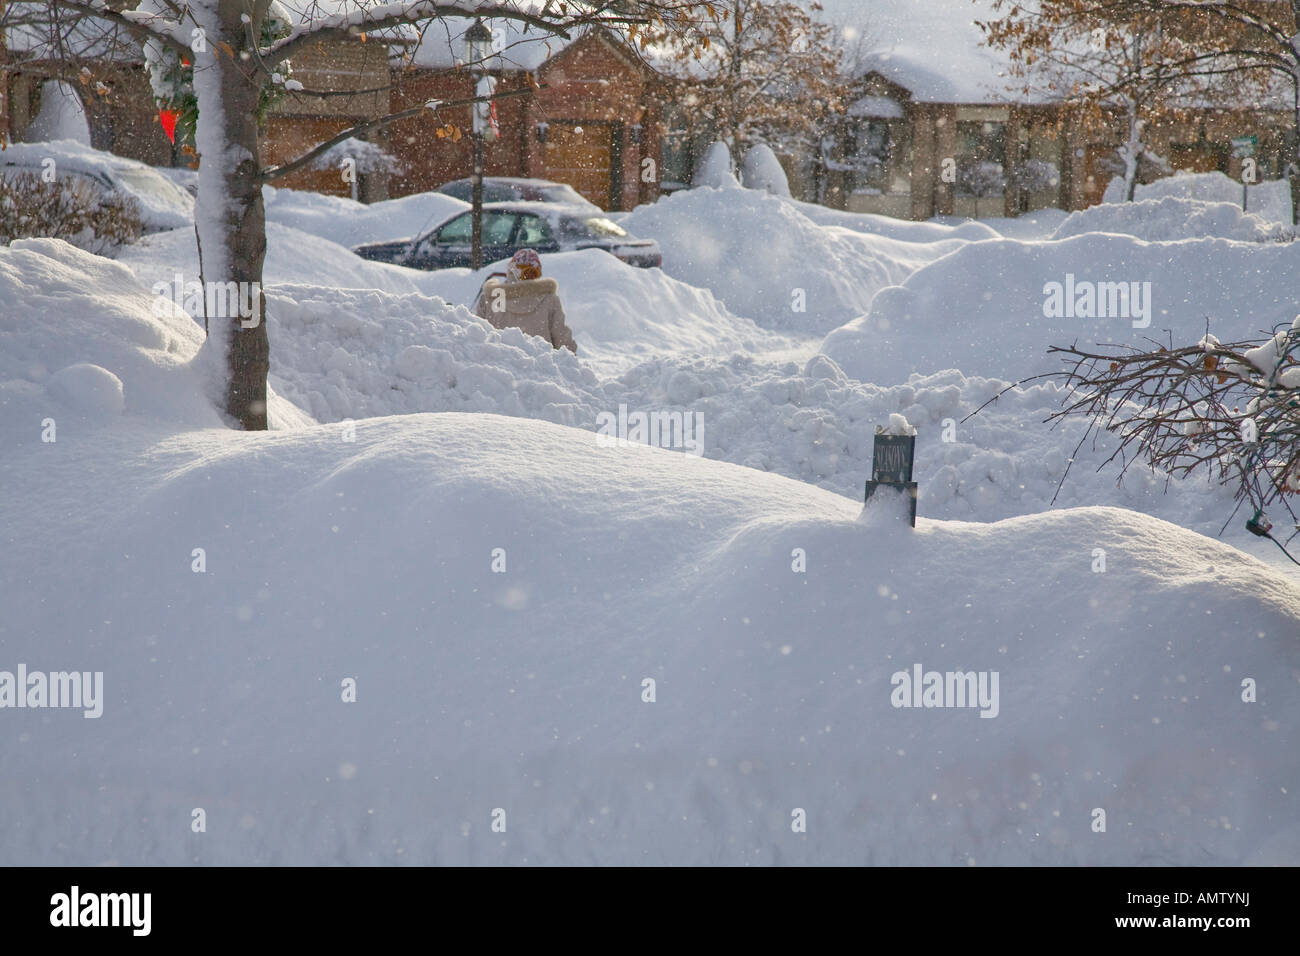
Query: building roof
{"points": [[932, 48]]}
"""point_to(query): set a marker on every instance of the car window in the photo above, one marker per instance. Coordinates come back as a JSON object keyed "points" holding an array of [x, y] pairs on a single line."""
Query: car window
{"points": [[145, 182], [498, 193], [533, 230], [564, 194], [458, 189], [456, 231], [497, 227], [595, 226]]}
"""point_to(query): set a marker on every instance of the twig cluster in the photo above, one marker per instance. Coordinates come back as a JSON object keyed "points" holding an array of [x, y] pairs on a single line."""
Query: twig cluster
{"points": [[1232, 410]]}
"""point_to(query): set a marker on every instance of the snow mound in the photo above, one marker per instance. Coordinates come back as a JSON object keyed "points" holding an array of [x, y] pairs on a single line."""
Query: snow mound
{"points": [[714, 169], [350, 223], [90, 389], [523, 690], [80, 330], [620, 314], [291, 256], [762, 170], [361, 353], [983, 308], [1173, 218], [767, 260], [1269, 200]]}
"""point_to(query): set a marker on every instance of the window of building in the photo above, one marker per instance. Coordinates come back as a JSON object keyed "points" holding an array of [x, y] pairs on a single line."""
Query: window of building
{"points": [[981, 159], [870, 153]]}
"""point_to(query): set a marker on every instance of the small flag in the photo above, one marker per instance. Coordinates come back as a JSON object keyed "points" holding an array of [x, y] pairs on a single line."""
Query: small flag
{"points": [[168, 119]]}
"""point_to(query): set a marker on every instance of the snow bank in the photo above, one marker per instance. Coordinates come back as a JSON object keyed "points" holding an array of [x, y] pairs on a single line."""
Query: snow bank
{"points": [[1269, 200], [351, 224], [291, 256], [621, 315], [81, 341], [371, 560], [358, 353], [767, 260], [982, 308], [1173, 218]]}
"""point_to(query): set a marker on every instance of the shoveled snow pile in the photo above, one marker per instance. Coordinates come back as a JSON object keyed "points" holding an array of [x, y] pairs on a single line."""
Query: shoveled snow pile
{"points": [[358, 354], [523, 691], [81, 342], [1174, 218], [1270, 200], [985, 308], [767, 260], [620, 315], [352, 223]]}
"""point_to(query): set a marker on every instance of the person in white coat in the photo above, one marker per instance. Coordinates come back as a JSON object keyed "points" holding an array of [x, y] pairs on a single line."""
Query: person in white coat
{"points": [[524, 300]]}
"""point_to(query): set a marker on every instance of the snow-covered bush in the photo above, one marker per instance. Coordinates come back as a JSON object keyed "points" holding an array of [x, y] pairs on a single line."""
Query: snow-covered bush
{"points": [[69, 208], [715, 169], [762, 170]]}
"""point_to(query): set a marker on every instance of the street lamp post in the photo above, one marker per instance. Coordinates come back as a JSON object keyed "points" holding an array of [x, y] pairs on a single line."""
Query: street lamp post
{"points": [[478, 44]]}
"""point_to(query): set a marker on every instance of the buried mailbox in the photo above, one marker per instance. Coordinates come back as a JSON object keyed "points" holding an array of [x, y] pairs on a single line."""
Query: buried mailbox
{"points": [[891, 464]]}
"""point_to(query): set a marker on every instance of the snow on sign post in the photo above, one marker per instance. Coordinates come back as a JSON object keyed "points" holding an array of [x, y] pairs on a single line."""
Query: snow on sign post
{"points": [[892, 454]]}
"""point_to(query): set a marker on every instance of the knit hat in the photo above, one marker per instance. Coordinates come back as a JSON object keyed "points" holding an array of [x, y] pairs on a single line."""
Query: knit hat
{"points": [[524, 264]]}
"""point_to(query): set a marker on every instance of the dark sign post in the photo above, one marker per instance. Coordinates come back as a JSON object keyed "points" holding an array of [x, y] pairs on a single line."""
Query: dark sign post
{"points": [[891, 467]]}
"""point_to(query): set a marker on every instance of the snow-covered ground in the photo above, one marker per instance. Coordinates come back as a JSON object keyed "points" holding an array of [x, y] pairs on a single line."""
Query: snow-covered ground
{"points": [[359, 540]]}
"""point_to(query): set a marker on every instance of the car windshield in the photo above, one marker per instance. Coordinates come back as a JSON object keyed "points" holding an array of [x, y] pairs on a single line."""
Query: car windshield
{"points": [[147, 183], [563, 194], [600, 226], [458, 189]]}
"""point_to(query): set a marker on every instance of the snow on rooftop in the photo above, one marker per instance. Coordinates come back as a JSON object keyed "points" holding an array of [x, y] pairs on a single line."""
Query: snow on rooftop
{"points": [[933, 48]]}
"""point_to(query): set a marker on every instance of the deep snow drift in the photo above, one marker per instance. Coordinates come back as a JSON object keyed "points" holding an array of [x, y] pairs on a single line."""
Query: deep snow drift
{"points": [[786, 265], [983, 309], [372, 560], [771, 615]]}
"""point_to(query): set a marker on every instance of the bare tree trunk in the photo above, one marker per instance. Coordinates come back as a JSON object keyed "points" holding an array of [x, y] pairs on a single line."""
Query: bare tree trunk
{"points": [[231, 220], [1293, 167]]}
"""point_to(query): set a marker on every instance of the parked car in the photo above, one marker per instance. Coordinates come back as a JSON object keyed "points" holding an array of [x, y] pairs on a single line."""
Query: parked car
{"points": [[515, 189], [163, 204], [509, 227]]}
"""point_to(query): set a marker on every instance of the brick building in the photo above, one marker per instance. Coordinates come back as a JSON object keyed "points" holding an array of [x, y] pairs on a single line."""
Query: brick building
{"points": [[930, 94], [592, 119]]}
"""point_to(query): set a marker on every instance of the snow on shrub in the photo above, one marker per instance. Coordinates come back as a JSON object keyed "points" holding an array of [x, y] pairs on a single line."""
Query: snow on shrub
{"points": [[69, 208], [715, 169], [762, 170], [76, 328]]}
